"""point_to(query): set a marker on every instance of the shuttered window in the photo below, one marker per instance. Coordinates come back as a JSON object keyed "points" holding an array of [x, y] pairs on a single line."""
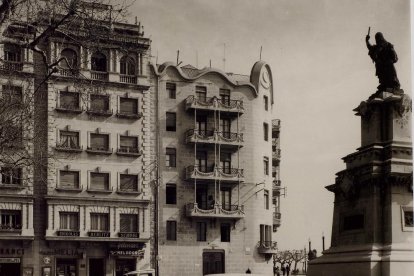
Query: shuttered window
{"points": [[128, 182], [99, 222], [99, 181], [170, 123], [69, 221], [99, 103], [128, 223], [201, 231], [128, 106], [69, 100], [128, 144], [99, 141], [171, 230], [69, 179]]}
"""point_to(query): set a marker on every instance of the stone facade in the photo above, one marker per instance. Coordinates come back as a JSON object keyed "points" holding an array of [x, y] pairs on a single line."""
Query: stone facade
{"points": [[214, 196]]}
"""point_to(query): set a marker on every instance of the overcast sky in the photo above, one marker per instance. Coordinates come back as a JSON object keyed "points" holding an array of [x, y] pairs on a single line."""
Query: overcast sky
{"points": [[321, 70]]}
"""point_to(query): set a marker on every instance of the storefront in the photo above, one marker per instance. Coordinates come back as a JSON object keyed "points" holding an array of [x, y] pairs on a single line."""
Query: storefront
{"points": [[12, 258]]}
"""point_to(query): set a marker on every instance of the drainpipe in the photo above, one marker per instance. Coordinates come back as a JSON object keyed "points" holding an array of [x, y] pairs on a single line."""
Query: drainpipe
{"points": [[157, 180]]}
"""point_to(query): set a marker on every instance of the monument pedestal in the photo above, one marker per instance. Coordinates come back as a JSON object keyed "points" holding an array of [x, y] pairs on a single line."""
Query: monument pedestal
{"points": [[372, 231]]}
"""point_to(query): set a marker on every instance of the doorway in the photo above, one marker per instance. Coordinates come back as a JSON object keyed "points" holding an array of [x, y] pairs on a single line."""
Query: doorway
{"points": [[96, 267], [66, 267], [213, 262], [125, 265], [7, 269]]}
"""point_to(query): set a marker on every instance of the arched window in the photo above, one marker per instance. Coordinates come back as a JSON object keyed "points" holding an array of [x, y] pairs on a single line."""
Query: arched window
{"points": [[12, 53], [98, 62], [71, 59], [127, 66]]}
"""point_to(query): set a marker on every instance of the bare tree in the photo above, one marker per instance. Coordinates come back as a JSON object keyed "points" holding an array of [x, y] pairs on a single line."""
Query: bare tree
{"points": [[25, 29]]}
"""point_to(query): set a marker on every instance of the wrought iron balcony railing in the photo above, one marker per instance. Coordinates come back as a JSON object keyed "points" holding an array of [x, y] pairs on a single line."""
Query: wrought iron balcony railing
{"points": [[100, 112], [277, 217], [216, 211], [214, 103], [11, 65], [128, 151], [275, 124], [276, 154], [214, 173], [213, 136], [68, 148], [267, 247]]}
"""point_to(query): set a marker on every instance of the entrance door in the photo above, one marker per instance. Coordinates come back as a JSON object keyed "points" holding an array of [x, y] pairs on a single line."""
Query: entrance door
{"points": [[125, 265], [213, 262], [96, 267], [8, 269], [66, 267]]}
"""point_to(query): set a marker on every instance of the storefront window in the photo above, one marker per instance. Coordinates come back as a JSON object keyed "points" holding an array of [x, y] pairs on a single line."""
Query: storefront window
{"points": [[66, 267], [125, 265]]}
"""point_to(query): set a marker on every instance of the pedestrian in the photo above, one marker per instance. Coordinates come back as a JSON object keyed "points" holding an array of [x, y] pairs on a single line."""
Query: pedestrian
{"points": [[283, 270], [287, 270], [276, 271]]}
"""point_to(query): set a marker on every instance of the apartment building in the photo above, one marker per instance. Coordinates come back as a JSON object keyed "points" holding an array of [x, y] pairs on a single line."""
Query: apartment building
{"points": [[85, 207], [214, 143]]}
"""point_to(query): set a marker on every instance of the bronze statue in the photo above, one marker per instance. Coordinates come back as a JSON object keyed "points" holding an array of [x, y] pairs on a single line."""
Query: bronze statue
{"points": [[384, 57]]}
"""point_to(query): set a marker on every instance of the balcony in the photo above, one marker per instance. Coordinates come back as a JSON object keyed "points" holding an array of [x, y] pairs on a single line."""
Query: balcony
{"points": [[10, 228], [277, 217], [277, 184], [66, 72], [99, 75], [213, 137], [11, 65], [128, 79], [211, 174], [275, 125], [129, 151], [100, 112], [133, 116], [102, 151], [228, 212], [267, 247], [74, 149], [69, 108], [276, 154], [214, 103]]}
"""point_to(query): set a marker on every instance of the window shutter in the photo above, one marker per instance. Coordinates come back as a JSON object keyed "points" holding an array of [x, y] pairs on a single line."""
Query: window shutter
{"points": [[69, 179], [128, 106]]}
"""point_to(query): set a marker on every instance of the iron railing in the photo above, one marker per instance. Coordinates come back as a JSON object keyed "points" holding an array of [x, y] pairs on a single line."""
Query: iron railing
{"points": [[215, 102]]}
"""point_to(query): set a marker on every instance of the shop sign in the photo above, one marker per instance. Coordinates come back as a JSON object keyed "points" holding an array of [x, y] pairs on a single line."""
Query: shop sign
{"points": [[99, 234], [136, 253], [62, 252], [9, 260], [127, 246], [129, 235], [11, 251], [68, 233]]}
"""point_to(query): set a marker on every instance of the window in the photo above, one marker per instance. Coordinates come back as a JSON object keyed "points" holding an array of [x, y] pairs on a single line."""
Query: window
{"points": [[225, 162], [171, 194], [201, 231], [171, 121], [99, 181], [265, 235], [12, 52], [12, 94], [69, 221], [201, 161], [225, 127], [226, 198], [69, 179], [171, 90], [99, 222], [201, 93], [266, 103], [98, 62], [69, 100], [128, 182], [170, 157], [225, 96], [171, 230], [266, 199], [128, 106], [128, 144], [69, 139], [11, 176], [71, 59], [128, 66], [99, 103], [225, 232], [353, 222], [266, 131], [266, 165], [10, 220], [128, 223], [99, 142]]}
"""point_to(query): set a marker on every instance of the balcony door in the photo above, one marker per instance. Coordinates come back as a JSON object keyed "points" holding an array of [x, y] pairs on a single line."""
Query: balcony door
{"points": [[213, 262], [201, 161], [225, 127], [201, 198], [201, 125], [225, 162], [225, 198]]}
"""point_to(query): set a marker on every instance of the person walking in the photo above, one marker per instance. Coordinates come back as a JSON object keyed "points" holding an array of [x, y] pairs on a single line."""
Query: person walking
{"points": [[287, 270], [283, 270]]}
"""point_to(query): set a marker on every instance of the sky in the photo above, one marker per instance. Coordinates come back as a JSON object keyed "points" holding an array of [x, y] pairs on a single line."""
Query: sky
{"points": [[321, 72]]}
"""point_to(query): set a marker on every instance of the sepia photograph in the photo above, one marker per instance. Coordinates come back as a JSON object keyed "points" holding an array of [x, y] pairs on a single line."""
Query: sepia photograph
{"points": [[206, 137]]}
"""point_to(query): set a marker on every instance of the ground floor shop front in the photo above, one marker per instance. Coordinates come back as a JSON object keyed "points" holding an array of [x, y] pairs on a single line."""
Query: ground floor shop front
{"points": [[63, 258]]}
